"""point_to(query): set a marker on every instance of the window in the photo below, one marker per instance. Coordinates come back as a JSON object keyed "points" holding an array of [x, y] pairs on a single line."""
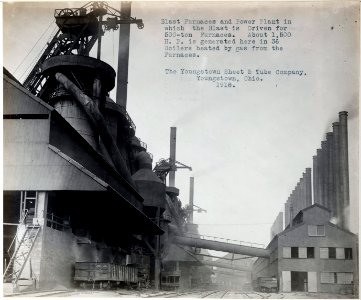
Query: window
{"points": [[323, 252], [340, 253], [287, 252], [344, 278], [331, 252], [336, 253], [328, 277], [302, 252], [294, 252], [348, 253], [316, 230], [310, 252]]}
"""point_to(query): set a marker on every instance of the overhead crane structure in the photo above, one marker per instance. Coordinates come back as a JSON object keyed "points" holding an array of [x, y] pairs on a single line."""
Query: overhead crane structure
{"points": [[78, 30]]}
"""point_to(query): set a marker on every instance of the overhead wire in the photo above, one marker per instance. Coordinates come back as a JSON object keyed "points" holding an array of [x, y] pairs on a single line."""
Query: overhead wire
{"points": [[52, 22], [36, 58]]}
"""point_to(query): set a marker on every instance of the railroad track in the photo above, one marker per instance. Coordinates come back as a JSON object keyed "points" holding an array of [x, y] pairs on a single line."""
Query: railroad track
{"points": [[60, 293]]}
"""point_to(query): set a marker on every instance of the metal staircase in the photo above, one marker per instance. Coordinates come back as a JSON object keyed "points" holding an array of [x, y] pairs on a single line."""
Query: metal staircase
{"points": [[22, 252]]}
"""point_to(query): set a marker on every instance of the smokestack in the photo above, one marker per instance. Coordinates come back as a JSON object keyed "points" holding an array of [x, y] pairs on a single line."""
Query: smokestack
{"points": [[291, 215], [326, 174], [308, 187], [123, 56], [303, 191], [287, 212], [336, 159], [318, 190], [344, 175], [172, 157], [330, 175], [316, 196], [191, 195]]}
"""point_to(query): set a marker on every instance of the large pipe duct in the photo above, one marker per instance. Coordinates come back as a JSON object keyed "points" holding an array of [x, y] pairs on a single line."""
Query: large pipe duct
{"points": [[123, 56], [172, 157], [344, 175], [98, 121], [226, 266], [221, 246]]}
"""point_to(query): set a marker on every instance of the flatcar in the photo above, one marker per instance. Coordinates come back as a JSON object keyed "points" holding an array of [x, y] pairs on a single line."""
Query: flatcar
{"points": [[104, 275]]}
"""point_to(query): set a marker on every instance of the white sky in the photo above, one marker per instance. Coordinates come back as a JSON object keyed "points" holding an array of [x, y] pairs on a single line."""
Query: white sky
{"points": [[249, 145]]}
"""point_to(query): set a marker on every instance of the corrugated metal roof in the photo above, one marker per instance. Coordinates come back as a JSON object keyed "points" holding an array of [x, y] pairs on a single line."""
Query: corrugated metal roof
{"points": [[21, 101]]}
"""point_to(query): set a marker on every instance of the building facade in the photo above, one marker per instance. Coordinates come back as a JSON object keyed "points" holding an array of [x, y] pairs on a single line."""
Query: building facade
{"points": [[312, 255]]}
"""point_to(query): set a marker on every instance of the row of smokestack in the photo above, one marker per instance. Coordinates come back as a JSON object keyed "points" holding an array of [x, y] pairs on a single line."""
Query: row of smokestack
{"points": [[330, 177], [330, 171]]}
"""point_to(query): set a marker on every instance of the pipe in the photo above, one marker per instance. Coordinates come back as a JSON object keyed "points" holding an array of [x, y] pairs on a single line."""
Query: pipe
{"points": [[344, 175], [226, 266], [172, 157], [191, 195], [123, 56], [221, 246], [98, 121], [336, 178]]}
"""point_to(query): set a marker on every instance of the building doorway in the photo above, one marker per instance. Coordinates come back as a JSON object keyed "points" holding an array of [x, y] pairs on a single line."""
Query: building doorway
{"points": [[299, 282]]}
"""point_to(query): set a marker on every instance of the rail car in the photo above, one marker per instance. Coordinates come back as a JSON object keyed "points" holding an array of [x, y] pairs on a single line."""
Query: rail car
{"points": [[104, 275], [266, 284]]}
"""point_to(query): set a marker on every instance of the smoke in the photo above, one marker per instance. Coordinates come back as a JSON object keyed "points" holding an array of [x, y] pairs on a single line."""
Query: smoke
{"points": [[334, 220], [345, 216]]}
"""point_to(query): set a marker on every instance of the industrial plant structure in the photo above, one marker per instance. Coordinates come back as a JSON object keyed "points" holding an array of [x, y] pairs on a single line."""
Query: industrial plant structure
{"points": [[316, 252], [82, 204]]}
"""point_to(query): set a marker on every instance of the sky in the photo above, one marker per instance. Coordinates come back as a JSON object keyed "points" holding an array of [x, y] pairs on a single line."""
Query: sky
{"points": [[247, 145]]}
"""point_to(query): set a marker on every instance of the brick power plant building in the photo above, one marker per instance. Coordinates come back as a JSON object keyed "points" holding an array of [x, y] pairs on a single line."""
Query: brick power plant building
{"points": [[75, 173], [316, 252]]}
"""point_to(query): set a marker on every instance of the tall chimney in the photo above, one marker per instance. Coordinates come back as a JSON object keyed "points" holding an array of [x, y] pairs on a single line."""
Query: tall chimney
{"points": [[330, 175], [336, 173], [324, 173], [344, 175], [315, 180], [287, 212], [123, 56], [319, 177], [191, 195], [303, 191], [291, 215], [172, 157], [308, 187]]}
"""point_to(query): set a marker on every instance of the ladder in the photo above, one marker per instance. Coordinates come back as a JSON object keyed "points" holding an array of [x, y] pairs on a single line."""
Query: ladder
{"points": [[22, 252]]}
